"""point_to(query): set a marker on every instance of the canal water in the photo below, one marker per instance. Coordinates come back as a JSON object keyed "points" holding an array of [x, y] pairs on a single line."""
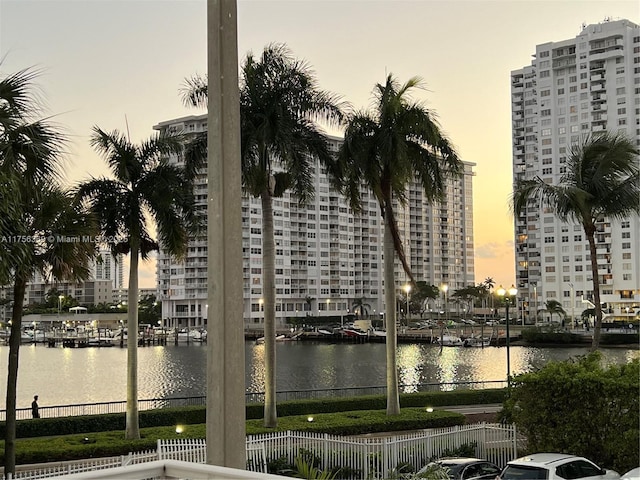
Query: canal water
{"points": [[70, 375]]}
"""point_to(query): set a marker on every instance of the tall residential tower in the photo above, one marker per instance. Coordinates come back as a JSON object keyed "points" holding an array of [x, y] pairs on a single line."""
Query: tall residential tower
{"points": [[326, 257], [573, 88]]}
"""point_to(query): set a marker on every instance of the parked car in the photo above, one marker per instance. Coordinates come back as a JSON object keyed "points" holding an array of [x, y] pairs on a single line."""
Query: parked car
{"points": [[555, 466], [632, 474], [467, 468]]}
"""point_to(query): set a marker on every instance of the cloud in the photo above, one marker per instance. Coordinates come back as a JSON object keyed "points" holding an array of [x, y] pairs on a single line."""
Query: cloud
{"points": [[493, 250]]}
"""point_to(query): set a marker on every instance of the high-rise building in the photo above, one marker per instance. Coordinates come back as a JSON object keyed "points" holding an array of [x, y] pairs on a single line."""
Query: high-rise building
{"points": [[326, 257], [108, 267], [573, 88]]}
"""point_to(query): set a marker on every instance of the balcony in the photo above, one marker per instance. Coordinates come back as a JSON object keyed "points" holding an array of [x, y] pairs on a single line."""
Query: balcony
{"points": [[169, 469]]}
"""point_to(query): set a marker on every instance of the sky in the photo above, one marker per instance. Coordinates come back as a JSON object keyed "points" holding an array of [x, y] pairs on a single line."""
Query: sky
{"points": [[119, 64]]}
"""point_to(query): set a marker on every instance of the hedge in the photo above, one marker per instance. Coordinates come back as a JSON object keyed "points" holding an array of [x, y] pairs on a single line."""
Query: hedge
{"points": [[197, 414], [112, 443]]}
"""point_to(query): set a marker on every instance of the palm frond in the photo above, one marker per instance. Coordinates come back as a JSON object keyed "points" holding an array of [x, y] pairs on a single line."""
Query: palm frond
{"points": [[194, 91], [119, 153]]}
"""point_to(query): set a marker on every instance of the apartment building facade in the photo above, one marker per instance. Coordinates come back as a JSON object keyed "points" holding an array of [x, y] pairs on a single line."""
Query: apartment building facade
{"points": [[573, 88], [326, 257], [105, 279]]}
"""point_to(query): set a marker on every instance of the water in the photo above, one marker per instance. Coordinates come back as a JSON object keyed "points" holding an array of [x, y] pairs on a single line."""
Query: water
{"points": [[66, 375]]}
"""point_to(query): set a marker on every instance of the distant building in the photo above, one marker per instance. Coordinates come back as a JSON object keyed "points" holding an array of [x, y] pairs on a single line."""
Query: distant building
{"points": [[86, 293], [106, 275], [121, 295], [326, 257], [583, 85], [108, 267]]}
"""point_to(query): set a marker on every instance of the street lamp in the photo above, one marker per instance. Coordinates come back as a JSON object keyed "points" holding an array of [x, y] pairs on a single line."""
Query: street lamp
{"points": [[60, 298], [444, 288], [407, 288], [507, 295]]}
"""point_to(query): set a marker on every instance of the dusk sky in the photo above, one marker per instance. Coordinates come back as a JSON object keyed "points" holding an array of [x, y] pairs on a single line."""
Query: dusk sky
{"points": [[104, 60]]}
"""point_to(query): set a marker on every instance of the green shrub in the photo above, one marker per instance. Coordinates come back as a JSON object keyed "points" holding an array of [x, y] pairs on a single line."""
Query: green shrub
{"points": [[42, 427], [362, 421], [582, 407], [197, 414], [620, 338]]}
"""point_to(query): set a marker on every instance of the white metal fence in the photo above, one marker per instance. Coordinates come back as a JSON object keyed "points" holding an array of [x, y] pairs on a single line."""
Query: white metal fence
{"points": [[377, 457], [57, 469], [357, 457]]}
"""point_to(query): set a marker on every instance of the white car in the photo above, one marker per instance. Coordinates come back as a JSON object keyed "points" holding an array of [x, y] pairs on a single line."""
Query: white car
{"points": [[555, 466], [632, 474]]}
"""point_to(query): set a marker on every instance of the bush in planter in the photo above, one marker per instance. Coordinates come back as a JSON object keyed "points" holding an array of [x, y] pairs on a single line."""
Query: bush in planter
{"points": [[582, 407]]}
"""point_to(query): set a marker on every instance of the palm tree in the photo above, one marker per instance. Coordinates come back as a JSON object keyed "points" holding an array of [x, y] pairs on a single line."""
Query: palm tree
{"points": [[145, 186], [361, 306], [385, 149], [280, 103], [33, 211], [554, 306], [489, 283], [602, 180], [280, 141]]}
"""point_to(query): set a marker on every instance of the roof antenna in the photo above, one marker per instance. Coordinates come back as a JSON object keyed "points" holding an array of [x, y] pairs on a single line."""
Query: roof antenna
{"points": [[127, 123]]}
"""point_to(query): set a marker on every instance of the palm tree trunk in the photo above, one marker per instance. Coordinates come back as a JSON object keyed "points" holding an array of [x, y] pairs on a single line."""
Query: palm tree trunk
{"points": [[595, 344], [12, 376], [269, 295], [393, 397], [132, 428]]}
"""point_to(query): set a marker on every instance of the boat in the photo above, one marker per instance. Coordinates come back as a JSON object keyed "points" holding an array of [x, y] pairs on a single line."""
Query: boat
{"points": [[325, 331], [100, 342], [448, 340], [279, 338], [190, 335], [477, 342], [354, 332], [378, 333]]}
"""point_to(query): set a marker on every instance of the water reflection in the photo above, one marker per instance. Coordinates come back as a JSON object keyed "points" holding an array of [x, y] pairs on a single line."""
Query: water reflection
{"points": [[65, 376], [410, 361]]}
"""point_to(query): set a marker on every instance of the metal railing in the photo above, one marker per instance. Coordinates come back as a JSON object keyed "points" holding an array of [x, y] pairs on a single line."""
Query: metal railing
{"points": [[101, 408]]}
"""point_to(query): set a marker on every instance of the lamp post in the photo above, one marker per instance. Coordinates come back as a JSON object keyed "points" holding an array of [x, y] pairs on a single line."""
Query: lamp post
{"points": [[506, 295], [535, 303], [60, 298], [573, 305], [407, 289], [444, 288]]}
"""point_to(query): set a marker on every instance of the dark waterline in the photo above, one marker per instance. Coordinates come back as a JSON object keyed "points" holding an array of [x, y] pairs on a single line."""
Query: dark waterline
{"points": [[65, 376]]}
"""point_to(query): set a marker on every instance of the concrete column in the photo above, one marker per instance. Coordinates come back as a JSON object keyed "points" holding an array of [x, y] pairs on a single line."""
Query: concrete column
{"points": [[226, 442]]}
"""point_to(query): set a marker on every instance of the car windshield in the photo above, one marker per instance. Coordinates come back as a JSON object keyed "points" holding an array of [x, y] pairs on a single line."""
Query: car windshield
{"points": [[519, 472], [453, 468]]}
